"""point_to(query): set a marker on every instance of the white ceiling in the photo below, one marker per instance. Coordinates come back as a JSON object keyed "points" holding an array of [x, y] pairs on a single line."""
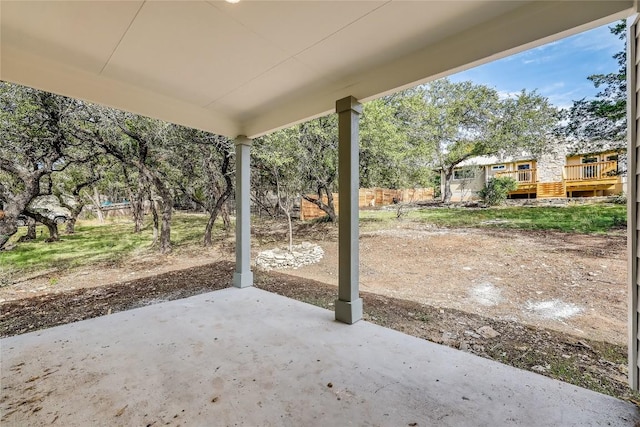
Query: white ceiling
{"points": [[256, 66]]}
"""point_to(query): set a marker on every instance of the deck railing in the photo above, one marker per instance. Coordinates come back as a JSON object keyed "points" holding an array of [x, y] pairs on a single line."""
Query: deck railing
{"points": [[523, 176], [591, 171]]}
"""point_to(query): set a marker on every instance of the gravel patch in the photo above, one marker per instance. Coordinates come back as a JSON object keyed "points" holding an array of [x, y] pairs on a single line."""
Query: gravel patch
{"points": [[276, 259]]}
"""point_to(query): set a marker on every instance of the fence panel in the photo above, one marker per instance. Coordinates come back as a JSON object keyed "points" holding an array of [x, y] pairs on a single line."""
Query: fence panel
{"points": [[369, 197]]}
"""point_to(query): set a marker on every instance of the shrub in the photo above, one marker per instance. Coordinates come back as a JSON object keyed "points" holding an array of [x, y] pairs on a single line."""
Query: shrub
{"points": [[497, 190], [619, 199]]}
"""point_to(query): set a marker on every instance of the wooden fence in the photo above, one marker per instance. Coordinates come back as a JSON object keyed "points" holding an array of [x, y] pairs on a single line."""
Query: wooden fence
{"points": [[369, 197]]}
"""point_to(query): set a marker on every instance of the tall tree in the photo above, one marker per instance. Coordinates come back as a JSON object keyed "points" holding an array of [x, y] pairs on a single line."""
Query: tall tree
{"points": [[141, 143], [318, 162], [600, 123], [274, 156], [203, 172], [304, 160], [69, 186], [464, 120], [389, 156], [36, 140]]}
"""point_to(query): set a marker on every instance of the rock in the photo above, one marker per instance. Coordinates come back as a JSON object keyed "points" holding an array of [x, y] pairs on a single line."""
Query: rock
{"points": [[478, 348], [471, 334], [539, 368], [300, 255], [448, 337], [488, 332]]}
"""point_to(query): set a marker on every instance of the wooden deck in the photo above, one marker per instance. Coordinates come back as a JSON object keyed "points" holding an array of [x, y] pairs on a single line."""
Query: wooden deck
{"points": [[582, 178]]}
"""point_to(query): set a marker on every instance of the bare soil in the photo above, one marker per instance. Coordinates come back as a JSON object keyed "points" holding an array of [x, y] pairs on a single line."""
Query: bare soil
{"points": [[572, 283], [556, 302]]}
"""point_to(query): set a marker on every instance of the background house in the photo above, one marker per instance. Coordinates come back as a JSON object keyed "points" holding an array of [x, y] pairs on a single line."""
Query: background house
{"points": [[471, 175], [555, 175]]}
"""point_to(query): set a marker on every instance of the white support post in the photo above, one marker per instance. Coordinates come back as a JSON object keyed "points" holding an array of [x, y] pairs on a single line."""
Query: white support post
{"points": [[633, 176], [349, 303], [243, 277]]}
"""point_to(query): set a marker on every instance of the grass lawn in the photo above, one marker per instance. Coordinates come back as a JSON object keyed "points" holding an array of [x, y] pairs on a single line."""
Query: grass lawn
{"points": [[114, 241], [595, 218], [95, 243]]}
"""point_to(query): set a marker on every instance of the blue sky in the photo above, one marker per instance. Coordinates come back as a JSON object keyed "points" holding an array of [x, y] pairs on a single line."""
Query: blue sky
{"points": [[557, 70]]}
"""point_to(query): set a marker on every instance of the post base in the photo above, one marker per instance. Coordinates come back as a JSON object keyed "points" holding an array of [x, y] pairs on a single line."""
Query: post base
{"points": [[349, 312], [243, 280]]}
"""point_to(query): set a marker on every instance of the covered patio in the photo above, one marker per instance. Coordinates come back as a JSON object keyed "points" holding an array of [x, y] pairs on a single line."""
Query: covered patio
{"points": [[252, 358], [244, 70]]}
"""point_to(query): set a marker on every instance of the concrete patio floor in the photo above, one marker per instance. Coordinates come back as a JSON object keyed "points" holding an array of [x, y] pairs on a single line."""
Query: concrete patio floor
{"points": [[246, 357]]}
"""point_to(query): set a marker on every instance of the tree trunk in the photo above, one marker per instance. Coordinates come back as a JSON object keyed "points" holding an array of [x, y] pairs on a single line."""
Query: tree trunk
{"points": [[8, 227], [31, 230], [213, 215], [137, 207], [286, 207], [226, 217], [165, 231], [51, 225], [54, 236], [156, 225], [446, 194], [98, 206], [290, 231], [14, 205], [331, 210], [166, 203], [70, 227], [328, 207]]}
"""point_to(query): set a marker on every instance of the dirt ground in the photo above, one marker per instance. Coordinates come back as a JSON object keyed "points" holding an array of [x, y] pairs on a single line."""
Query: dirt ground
{"points": [[549, 302], [572, 283]]}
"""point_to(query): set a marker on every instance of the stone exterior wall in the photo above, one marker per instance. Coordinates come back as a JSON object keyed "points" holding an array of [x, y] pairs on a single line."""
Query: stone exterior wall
{"points": [[551, 165]]}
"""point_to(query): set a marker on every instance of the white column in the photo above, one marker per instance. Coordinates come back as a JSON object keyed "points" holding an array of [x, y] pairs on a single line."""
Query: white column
{"points": [[633, 176], [243, 277], [349, 303]]}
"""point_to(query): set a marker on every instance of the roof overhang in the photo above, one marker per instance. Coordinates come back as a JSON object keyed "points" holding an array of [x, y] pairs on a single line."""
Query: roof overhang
{"points": [[256, 66]]}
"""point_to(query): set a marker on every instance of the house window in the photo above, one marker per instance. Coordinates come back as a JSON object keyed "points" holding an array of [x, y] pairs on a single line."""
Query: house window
{"points": [[524, 173], [498, 167], [590, 170], [613, 158], [464, 174]]}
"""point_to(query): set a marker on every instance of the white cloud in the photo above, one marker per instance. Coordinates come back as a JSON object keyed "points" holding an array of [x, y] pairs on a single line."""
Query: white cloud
{"points": [[552, 87], [596, 40], [539, 59], [502, 94]]}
